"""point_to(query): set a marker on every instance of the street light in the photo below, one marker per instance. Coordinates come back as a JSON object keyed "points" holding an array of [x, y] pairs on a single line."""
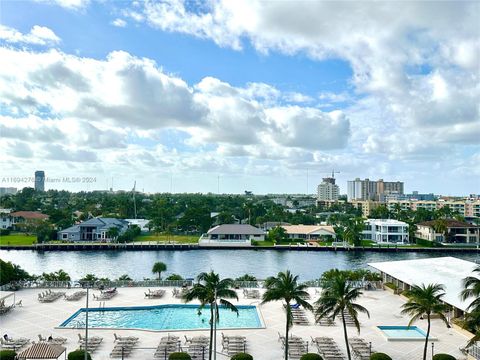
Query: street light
{"points": [[433, 348], [215, 326], [86, 328]]}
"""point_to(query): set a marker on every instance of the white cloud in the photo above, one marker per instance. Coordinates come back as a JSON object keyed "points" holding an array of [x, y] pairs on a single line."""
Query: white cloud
{"points": [[68, 4], [119, 23], [38, 35]]}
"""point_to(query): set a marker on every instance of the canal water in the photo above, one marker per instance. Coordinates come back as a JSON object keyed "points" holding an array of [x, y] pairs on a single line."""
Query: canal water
{"points": [[229, 263]]}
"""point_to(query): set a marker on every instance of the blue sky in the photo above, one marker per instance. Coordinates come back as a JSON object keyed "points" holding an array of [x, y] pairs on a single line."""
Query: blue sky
{"points": [[256, 93]]}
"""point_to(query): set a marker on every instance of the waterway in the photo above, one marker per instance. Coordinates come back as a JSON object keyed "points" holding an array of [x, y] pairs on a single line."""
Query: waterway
{"points": [[229, 263]]}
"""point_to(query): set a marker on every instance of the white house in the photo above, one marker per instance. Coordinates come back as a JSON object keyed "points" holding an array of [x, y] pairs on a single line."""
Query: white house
{"points": [[231, 235], [141, 223], [386, 231], [309, 232], [457, 232]]}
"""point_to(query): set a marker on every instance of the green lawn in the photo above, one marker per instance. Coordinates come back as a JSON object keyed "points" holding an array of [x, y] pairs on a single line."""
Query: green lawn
{"points": [[182, 239], [17, 239]]}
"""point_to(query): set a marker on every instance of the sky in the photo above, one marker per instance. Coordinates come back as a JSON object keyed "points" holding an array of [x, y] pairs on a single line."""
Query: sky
{"points": [[227, 96]]}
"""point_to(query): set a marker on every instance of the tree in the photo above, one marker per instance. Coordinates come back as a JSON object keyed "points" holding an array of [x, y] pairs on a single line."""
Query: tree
{"points": [[285, 287], [471, 289], [277, 235], [440, 226], [353, 231], [211, 290], [59, 275], [113, 233], [125, 277], [159, 267], [11, 272], [338, 298], [425, 301]]}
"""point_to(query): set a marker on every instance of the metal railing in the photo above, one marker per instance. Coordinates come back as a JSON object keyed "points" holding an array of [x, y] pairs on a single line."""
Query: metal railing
{"points": [[474, 351]]}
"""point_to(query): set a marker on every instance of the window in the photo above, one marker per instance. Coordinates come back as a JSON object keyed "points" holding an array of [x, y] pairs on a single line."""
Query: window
{"points": [[64, 236]]}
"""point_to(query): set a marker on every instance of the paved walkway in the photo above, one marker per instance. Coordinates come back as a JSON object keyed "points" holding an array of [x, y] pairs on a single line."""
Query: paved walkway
{"points": [[42, 318]]}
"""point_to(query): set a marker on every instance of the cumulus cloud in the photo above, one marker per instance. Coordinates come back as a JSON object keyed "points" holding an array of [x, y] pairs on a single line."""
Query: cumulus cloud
{"points": [[68, 4], [38, 35], [119, 23]]}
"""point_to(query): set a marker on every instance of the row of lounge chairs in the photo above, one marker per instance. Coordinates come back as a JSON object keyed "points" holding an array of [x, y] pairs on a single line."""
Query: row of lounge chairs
{"points": [[251, 294], [106, 294], [167, 345], [179, 293], [348, 319], [52, 340], [75, 296], [13, 344], [361, 350], [234, 344], [328, 348], [50, 296], [296, 346], [197, 346], [5, 308], [124, 346], [154, 294], [91, 345], [299, 315]]}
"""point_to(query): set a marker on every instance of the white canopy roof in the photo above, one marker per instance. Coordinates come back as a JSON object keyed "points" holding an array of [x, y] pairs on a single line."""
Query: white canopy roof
{"points": [[448, 271]]}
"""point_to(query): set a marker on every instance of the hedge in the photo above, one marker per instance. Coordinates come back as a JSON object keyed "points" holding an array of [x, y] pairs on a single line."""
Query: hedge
{"points": [[179, 356], [311, 356], [380, 356], [78, 355], [443, 357], [242, 356], [7, 355]]}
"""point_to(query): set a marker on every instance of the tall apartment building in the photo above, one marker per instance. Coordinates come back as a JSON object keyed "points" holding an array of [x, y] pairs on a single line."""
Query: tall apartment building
{"points": [[40, 180], [7, 190], [328, 190], [467, 208], [372, 190]]}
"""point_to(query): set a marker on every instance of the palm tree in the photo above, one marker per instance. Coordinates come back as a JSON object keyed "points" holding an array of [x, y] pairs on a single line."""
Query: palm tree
{"points": [[471, 285], [159, 267], [441, 226], [337, 298], [208, 290], [425, 301], [285, 287], [471, 289]]}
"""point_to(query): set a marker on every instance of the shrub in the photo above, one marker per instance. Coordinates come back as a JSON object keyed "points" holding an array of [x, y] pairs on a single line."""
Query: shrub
{"points": [[78, 355], [242, 356], [4, 232], [7, 354], [380, 356], [311, 356], [179, 356], [172, 277], [443, 357]]}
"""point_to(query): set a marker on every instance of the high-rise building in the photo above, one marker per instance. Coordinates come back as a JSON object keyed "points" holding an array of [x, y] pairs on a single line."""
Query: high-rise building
{"points": [[40, 180], [372, 190], [328, 190]]}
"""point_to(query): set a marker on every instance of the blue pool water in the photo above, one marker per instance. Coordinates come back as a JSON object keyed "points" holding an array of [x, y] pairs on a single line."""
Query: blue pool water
{"points": [[403, 332], [164, 317]]}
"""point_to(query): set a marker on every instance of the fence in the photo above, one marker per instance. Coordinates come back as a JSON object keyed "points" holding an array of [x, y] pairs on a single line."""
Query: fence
{"points": [[474, 351], [109, 284]]}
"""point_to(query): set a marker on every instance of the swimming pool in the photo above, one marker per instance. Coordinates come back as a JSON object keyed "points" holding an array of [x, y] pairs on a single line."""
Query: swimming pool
{"points": [[405, 333], [164, 317]]}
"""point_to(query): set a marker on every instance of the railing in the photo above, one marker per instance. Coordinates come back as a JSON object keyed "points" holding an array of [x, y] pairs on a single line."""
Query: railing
{"points": [[474, 351], [363, 284], [109, 284]]}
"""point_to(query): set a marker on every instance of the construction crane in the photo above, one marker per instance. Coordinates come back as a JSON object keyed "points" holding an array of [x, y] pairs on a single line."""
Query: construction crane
{"points": [[134, 202], [334, 172]]}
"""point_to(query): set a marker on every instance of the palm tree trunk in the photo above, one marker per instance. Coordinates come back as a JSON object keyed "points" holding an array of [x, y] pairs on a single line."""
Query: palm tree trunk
{"points": [[286, 330], [426, 338], [346, 336], [211, 333]]}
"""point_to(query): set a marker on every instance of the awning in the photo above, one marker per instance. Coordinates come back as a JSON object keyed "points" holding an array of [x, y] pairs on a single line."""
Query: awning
{"points": [[42, 351]]}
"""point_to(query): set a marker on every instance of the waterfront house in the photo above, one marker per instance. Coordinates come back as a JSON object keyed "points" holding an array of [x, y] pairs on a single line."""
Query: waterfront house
{"points": [[386, 231], [269, 225], [21, 219], [143, 224], [310, 232], [231, 234], [96, 229], [456, 232]]}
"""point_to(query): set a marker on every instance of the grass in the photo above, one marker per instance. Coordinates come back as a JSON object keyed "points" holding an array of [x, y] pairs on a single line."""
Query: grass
{"points": [[17, 239], [263, 243], [181, 239]]}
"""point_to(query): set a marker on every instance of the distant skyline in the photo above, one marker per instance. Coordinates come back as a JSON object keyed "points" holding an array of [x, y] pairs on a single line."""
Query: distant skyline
{"points": [[178, 94]]}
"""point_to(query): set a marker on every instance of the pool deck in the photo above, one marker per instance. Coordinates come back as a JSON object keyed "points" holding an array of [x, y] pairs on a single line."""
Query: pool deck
{"points": [[35, 318]]}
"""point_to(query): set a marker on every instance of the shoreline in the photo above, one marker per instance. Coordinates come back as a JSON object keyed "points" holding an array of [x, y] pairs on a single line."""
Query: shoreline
{"points": [[186, 247]]}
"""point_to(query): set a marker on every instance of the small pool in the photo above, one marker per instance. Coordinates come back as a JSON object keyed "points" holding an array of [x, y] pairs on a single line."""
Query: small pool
{"points": [[404, 333], [164, 317]]}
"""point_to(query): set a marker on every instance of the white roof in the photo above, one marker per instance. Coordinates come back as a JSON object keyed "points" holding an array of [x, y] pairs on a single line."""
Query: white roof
{"points": [[308, 229], [448, 271]]}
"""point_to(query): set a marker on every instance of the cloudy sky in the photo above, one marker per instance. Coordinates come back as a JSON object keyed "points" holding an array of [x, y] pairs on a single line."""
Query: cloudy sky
{"points": [[268, 96]]}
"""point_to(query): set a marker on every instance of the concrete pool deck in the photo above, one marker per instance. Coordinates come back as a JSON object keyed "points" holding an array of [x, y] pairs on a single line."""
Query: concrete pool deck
{"points": [[35, 318]]}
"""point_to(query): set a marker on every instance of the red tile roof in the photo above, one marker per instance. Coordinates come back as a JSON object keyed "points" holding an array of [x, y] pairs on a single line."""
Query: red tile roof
{"points": [[30, 215]]}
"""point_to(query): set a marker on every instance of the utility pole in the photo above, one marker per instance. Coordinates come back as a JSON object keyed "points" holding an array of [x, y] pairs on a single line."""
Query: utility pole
{"points": [[215, 327], [134, 202], [86, 327]]}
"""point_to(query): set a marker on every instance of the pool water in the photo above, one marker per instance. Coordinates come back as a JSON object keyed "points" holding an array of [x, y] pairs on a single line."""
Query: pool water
{"points": [[404, 333], [164, 317]]}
